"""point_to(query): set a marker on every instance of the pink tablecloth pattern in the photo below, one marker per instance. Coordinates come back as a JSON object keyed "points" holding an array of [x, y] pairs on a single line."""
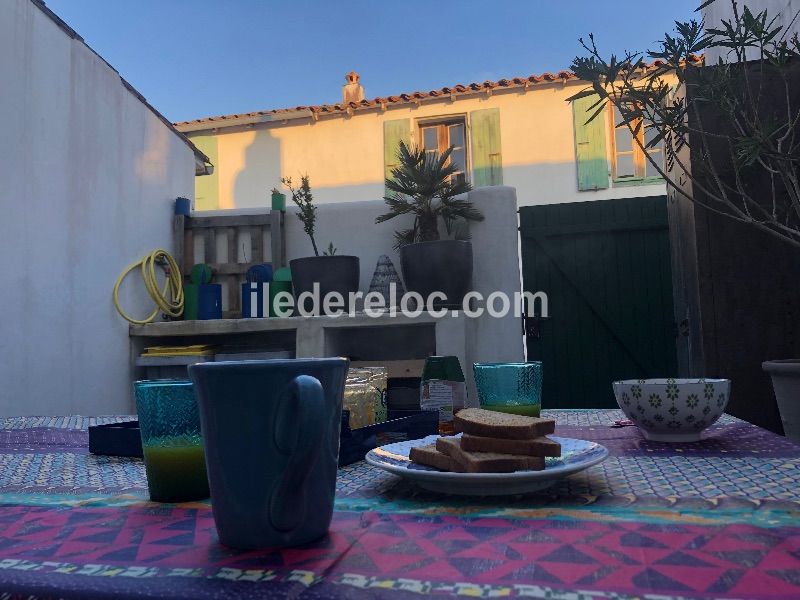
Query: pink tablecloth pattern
{"points": [[720, 518]]}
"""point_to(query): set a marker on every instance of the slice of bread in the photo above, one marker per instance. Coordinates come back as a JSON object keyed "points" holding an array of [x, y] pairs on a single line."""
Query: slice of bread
{"points": [[541, 446], [431, 457], [487, 423], [487, 462]]}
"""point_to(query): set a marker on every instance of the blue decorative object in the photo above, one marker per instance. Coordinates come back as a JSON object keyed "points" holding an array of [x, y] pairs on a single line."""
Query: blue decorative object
{"points": [[209, 301], [255, 300], [271, 432], [183, 206], [259, 273]]}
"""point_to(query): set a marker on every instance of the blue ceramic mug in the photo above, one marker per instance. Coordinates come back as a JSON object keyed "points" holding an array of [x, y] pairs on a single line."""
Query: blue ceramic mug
{"points": [[271, 434]]}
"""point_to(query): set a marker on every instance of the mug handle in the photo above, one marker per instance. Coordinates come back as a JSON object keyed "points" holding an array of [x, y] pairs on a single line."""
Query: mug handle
{"points": [[305, 395]]}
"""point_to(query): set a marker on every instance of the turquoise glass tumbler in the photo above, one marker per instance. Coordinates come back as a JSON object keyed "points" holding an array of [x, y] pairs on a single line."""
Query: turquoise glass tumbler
{"points": [[169, 422], [514, 388]]}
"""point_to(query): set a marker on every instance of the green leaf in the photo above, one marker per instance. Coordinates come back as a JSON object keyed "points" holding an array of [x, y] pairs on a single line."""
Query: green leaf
{"points": [[704, 4], [583, 94]]}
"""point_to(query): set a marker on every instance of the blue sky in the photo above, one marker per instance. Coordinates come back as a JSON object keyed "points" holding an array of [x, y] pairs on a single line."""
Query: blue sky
{"points": [[195, 58]]}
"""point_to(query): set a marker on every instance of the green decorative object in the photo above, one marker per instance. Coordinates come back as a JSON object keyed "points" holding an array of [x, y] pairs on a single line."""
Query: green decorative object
{"points": [[190, 301], [276, 287], [282, 274], [278, 201], [201, 274]]}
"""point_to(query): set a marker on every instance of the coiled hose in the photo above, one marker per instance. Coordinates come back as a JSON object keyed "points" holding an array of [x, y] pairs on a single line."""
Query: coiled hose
{"points": [[172, 306]]}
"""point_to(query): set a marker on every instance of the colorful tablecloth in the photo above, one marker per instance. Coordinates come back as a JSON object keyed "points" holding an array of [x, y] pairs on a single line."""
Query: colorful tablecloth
{"points": [[720, 518]]}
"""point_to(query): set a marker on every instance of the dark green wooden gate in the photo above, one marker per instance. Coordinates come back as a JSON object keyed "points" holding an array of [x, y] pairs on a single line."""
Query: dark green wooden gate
{"points": [[605, 267]]}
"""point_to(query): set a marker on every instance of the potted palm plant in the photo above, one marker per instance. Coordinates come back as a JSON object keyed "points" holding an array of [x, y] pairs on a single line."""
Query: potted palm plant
{"points": [[333, 272], [424, 185]]}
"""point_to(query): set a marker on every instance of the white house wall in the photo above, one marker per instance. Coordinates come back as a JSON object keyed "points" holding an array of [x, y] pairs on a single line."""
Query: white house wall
{"points": [[89, 175], [344, 155], [785, 13]]}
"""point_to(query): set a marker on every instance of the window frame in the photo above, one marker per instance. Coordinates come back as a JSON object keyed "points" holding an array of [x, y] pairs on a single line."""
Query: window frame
{"points": [[443, 122], [639, 159]]}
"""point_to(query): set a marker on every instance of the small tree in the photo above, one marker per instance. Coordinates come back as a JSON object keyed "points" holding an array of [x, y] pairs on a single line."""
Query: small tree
{"points": [[304, 201], [746, 167], [424, 185]]}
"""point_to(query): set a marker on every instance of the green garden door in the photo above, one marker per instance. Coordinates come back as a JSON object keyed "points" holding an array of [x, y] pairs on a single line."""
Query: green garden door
{"points": [[605, 267]]}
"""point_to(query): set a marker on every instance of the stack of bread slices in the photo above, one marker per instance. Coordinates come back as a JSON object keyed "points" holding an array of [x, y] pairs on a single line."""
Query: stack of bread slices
{"points": [[491, 442]]}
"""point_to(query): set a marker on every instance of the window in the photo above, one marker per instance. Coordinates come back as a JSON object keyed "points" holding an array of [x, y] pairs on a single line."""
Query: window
{"points": [[439, 136], [630, 162]]}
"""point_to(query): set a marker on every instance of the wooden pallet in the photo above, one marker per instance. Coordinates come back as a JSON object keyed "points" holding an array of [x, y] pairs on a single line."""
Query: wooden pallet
{"points": [[230, 267]]}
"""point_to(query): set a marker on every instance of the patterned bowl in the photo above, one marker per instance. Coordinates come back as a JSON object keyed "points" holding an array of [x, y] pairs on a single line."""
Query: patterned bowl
{"points": [[672, 410]]}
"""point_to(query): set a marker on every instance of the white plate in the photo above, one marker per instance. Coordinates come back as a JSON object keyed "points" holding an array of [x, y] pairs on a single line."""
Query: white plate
{"points": [[576, 455]]}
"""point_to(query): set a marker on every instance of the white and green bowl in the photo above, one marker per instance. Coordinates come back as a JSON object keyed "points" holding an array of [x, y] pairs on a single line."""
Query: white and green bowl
{"points": [[673, 410]]}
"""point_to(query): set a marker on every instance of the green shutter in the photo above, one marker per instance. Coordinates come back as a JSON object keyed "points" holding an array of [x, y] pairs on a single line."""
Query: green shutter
{"points": [[393, 133], [590, 145], [206, 187], [487, 162]]}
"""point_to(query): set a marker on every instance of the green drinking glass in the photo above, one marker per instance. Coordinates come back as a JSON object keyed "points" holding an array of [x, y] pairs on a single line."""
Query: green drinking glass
{"points": [[514, 388], [169, 422]]}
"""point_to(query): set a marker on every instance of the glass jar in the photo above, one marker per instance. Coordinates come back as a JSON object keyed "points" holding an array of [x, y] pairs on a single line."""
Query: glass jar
{"points": [[443, 389]]}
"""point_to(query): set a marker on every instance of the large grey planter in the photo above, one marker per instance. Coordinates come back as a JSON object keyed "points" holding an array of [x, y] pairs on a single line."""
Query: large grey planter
{"points": [[786, 381], [332, 273], [439, 266]]}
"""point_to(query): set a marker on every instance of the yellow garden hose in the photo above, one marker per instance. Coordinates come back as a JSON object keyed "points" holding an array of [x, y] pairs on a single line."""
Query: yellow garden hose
{"points": [[172, 305]]}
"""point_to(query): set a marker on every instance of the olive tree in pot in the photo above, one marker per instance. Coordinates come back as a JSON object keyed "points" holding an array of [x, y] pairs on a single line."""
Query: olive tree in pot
{"points": [[424, 185], [332, 272], [737, 120]]}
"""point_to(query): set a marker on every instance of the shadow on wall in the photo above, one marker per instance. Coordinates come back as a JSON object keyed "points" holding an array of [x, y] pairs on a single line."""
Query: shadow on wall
{"points": [[259, 172], [536, 183]]}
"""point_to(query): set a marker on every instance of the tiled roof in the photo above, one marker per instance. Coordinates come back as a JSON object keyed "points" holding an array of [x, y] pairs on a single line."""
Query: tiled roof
{"points": [[383, 102]]}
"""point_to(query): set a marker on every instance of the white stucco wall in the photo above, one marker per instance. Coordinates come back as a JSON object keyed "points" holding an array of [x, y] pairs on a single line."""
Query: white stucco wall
{"points": [[496, 263], [496, 260], [89, 175], [352, 229], [784, 11], [343, 155]]}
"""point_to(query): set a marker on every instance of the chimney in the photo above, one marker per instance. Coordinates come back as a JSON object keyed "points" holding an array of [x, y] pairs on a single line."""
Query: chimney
{"points": [[352, 91]]}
